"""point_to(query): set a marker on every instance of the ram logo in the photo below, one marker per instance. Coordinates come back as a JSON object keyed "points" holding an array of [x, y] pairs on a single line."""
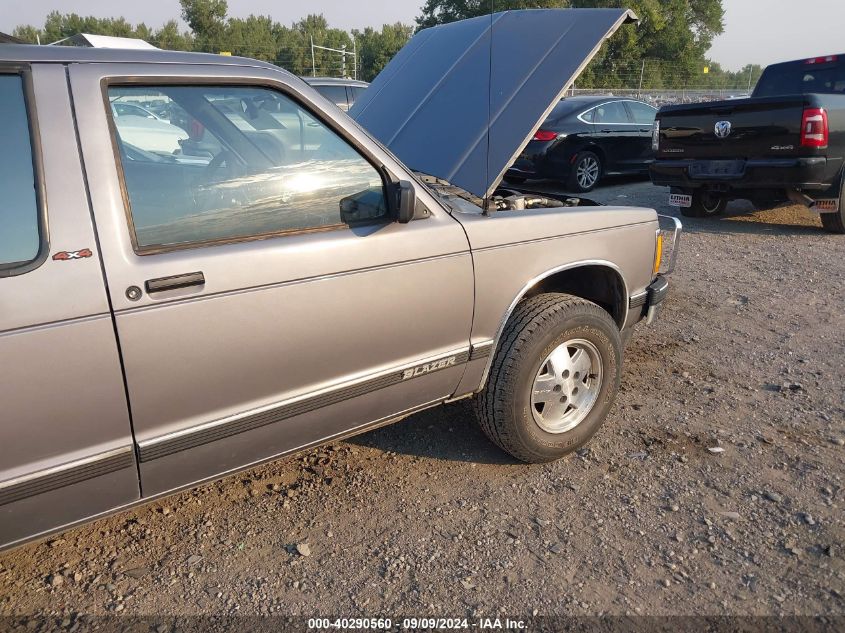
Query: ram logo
{"points": [[723, 129], [429, 367]]}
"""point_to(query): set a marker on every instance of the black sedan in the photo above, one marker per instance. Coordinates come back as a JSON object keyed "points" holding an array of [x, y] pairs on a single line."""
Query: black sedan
{"points": [[585, 138]]}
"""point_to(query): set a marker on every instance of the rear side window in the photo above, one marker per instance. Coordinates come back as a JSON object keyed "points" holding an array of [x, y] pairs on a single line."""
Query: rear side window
{"points": [[20, 234], [335, 94], [355, 93], [613, 112], [233, 163]]}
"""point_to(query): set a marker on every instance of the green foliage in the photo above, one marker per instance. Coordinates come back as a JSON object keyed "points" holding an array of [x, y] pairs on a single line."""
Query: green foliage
{"points": [[673, 36], [675, 33], [445, 11], [59, 26], [376, 48], [207, 19]]}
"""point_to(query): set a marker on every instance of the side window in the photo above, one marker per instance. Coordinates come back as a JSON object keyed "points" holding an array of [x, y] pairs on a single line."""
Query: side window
{"points": [[335, 94], [20, 233], [229, 163], [642, 113], [613, 112], [354, 93], [588, 115]]}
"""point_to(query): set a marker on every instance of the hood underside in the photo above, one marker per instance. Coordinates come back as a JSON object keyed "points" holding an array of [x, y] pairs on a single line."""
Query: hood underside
{"points": [[460, 101]]}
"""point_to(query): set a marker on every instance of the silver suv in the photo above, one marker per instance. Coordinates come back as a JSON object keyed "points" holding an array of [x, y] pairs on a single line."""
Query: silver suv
{"points": [[252, 271]]}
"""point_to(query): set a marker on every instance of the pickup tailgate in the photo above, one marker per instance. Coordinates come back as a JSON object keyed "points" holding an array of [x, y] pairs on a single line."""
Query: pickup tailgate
{"points": [[763, 127]]}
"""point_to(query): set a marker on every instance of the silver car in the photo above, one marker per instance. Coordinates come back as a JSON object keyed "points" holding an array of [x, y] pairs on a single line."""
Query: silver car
{"points": [[278, 277]]}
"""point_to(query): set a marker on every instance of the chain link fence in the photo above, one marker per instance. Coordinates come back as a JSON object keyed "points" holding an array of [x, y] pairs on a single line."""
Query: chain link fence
{"points": [[659, 98]]}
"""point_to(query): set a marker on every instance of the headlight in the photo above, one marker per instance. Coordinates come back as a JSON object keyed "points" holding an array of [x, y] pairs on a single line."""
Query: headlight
{"points": [[666, 243], [655, 135]]}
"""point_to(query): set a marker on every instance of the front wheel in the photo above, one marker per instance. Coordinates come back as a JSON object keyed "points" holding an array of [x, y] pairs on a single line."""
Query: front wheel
{"points": [[553, 378], [704, 205], [585, 173]]}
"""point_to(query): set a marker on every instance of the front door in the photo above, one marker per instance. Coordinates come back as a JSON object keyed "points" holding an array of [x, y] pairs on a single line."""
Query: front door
{"points": [[264, 301]]}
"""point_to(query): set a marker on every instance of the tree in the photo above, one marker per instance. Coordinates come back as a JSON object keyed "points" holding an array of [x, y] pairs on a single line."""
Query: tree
{"points": [[673, 36], [169, 37], [444, 11], [207, 19], [376, 48], [251, 37]]}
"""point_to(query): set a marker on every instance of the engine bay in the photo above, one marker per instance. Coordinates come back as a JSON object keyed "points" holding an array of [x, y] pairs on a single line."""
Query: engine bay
{"points": [[503, 198]]}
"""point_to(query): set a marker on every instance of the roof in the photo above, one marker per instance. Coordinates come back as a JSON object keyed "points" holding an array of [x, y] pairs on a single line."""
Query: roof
{"points": [[461, 100], [334, 81], [24, 53], [106, 41]]}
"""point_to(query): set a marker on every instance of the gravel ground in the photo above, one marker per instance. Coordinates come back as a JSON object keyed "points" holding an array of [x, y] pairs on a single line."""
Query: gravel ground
{"points": [[714, 488]]}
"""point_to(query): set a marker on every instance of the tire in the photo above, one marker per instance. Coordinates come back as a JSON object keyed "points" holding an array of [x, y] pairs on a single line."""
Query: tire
{"points": [[544, 331], [835, 222], [585, 173], [704, 205]]}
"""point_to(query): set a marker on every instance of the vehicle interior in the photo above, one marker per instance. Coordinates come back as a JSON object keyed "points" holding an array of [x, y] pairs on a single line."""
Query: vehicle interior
{"points": [[226, 156]]}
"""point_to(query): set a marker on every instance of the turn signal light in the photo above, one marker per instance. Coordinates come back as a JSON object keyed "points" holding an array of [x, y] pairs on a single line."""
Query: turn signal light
{"points": [[545, 135], [658, 253]]}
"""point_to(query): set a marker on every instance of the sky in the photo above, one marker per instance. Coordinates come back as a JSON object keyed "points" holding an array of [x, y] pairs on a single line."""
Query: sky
{"points": [[756, 31]]}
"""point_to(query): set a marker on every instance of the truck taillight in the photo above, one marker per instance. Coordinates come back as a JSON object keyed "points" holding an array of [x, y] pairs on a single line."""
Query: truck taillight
{"points": [[655, 135], [545, 135], [814, 130]]}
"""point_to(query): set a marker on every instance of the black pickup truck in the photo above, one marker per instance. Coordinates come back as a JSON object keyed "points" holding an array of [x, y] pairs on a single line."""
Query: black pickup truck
{"points": [[785, 142]]}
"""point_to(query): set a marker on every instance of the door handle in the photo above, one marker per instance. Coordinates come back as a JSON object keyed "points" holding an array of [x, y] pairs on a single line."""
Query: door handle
{"points": [[606, 131], [160, 284], [645, 129]]}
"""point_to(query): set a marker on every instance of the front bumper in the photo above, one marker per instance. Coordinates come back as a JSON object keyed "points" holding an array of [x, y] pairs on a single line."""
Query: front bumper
{"points": [[812, 173], [650, 301], [657, 292]]}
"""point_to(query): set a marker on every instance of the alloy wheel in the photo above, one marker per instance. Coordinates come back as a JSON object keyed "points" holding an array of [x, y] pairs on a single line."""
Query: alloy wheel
{"points": [[566, 386]]}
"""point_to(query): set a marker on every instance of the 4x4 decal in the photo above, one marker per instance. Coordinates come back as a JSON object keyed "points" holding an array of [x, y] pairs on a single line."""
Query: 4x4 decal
{"points": [[66, 255]]}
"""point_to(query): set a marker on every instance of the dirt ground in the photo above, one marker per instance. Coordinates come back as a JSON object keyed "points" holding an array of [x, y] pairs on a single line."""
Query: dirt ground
{"points": [[714, 488]]}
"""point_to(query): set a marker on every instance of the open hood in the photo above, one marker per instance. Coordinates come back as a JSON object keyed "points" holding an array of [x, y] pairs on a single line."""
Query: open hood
{"points": [[460, 101]]}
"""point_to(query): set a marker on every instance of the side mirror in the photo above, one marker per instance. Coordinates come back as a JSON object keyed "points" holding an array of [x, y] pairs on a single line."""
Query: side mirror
{"points": [[407, 201]]}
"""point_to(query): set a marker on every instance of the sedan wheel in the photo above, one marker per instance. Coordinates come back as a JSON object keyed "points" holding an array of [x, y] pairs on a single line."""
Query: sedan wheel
{"points": [[586, 171]]}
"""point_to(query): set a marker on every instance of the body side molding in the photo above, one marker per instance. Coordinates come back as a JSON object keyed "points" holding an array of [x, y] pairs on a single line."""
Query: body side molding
{"points": [[67, 474], [240, 423]]}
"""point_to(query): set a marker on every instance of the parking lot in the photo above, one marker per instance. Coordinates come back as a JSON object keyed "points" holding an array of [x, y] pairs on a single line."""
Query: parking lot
{"points": [[715, 485]]}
